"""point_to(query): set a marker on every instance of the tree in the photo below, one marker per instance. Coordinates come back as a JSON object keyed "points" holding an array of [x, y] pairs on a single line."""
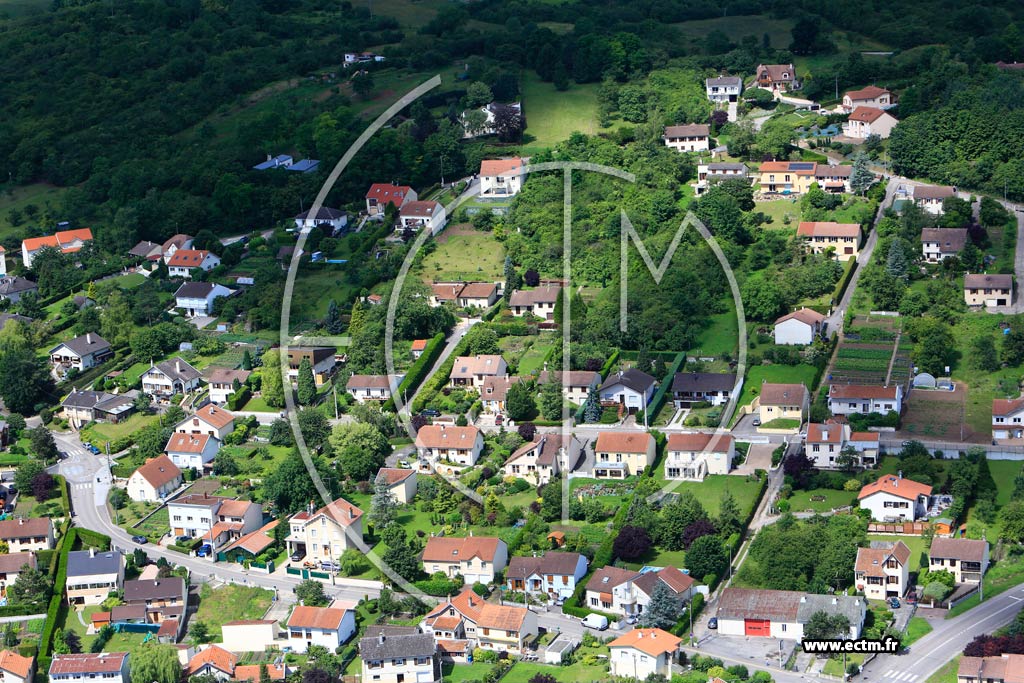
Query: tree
{"points": [[281, 433], [825, 626], [361, 449], [264, 673], [474, 122], [199, 633], [383, 505], [861, 176], [246, 360], [43, 444], [551, 400], [984, 356], [156, 663], [551, 501], [527, 430], [291, 488], [592, 408], [42, 486], [511, 278], [478, 94], [314, 427], [403, 558], [31, 588], [509, 122], [311, 593], [314, 675], [11, 632], [362, 84], [631, 543], [116, 323], [531, 278], [897, 264], [272, 386], [333, 322], [520, 403], [224, 465], [699, 528], [1012, 519], [306, 383], [663, 610], [26, 473], [706, 556], [16, 424], [729, 519]]}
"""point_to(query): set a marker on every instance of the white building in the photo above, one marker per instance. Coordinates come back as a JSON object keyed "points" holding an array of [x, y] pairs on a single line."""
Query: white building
{"points": [[694, 456], [110, 667], [196, 298], [471, 371], [330, 627], [209, 420], [467, 621], [849, 399], [627, 592], [212, 660], [643, 652], [417, 215], [323, 535], [65, 241], [632, 389], [501, 177], [554, 574], [191, 451], [867, 121], [81, 353], [195, 515], [376, 388], [221, 383], [251, 635], [23, 535], [576, 387], [710, 173], [967, 559], [715, 388], [754, 612], [184, 261], [335, 218], [539, 301], [93, 576], [871, 96], [158, 478], [881, 571], [400, 482], [540, 460], [451, 445], [930, 197], [170, 377], [895, 499], [724, 88], [405, 656], [1007, 419], [939, 244], [380, 195], [693, 137], [16, 669], [477, 559]]}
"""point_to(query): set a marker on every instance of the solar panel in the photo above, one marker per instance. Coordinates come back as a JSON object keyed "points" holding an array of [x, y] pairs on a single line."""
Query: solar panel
{"points": [[801, 166]]}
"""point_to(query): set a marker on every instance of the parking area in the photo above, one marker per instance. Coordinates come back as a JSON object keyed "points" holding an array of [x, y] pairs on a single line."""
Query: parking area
{"points": [[760, 651]]}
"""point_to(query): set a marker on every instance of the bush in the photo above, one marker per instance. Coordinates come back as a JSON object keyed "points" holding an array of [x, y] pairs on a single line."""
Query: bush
{"points": [[238, 399]]}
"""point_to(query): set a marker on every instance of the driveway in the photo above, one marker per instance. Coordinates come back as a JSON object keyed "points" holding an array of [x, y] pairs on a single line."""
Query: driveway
{"points": [[759, 457]]}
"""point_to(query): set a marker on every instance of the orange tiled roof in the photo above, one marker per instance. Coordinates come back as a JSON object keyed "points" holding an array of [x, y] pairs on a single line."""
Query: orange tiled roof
{"points": [[893, 485], [652, 641]]}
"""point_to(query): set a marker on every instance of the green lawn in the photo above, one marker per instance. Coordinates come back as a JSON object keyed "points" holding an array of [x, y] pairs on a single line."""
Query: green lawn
{"points": [[781, 423], [153, 528], [1000, 577], [42, 195], [778, 30], [103, 431], [119, 642], [918, 549], [463, 254], [459, 673], [552, 116], [801, 501], [129, 280], [778, 210], [779, 374], [231, 603], [917, 628], [947, 674], [256, 404], [721, 335], [709, 492], [834, 667], [522, 672]]}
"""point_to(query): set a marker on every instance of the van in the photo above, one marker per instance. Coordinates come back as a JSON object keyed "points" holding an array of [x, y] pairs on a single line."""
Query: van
{"points": [[596, 622]]}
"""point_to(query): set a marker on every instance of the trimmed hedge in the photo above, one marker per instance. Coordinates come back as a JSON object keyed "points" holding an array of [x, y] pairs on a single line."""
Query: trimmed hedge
{"points": [[238, 399], [493, 311], [666, 386], [603, 556], [65, 497], [660, 441], [419, 370], [844, 281], [439, 378], [609, 364]]}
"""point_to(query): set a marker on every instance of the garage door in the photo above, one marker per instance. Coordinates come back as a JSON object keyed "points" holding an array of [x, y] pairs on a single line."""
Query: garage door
{"points": [[757, 627]]}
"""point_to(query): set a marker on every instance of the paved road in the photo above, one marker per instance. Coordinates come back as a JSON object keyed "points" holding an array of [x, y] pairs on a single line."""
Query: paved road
{"points": [[453, 340]]}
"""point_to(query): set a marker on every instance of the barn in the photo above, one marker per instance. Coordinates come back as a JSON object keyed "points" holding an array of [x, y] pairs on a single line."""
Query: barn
{"points": [[781, 614]]}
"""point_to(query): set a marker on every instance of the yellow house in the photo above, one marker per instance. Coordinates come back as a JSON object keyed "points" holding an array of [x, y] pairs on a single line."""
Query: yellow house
{"points": [[617, 455], [786, 177], [782, 402], [843, 238]]}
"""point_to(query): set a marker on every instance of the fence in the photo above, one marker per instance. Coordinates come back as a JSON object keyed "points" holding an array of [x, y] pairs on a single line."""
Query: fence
{"points": [[951, 449]]}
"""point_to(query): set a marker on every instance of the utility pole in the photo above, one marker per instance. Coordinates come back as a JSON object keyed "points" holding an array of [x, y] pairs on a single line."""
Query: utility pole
{"points": [[335, 401], [837, 86]]}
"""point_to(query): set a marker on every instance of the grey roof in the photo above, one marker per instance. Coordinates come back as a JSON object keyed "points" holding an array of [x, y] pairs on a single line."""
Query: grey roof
{"points": [[145, 248], [397, 646], [15, 285], [8, 317], [562, 564], [724, 80], [170, 369], [115, 405], [325, 213], [727, 166], [155, 589], [703, 381], [964, 549], [195, 290], [86, 344], [949, 239], [80, 563], [852, 607], [634, 379], [86, 398]]}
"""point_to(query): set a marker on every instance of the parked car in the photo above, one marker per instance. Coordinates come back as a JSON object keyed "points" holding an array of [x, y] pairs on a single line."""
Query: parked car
{"points": [[330, 566], [757, 421], [894, 603], [498, 419], [297, 556], [183, 539], [713, 623], [911, 597], [141, 540], [205, 550], [404, 464], [596, 621], [309, 565], [430, 412]]}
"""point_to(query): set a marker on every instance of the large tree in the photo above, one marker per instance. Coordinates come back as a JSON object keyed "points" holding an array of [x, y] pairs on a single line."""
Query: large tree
{"points": [[311, 593], [631, 543], [306, 383], [31, 589], [272, 385], [43, 444], [663, 610], [291, 488], [155, 663], [706, 556], [520, 403], [361, 449]]}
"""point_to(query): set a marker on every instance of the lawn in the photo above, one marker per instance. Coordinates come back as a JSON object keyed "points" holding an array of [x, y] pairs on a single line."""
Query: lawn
{"points": [[552, 116], [777, 210], [1002, 576], [459, 673], [314, 290], [463, 254], [834, 667], [709, 492], [917, 628], [780, 374], [256, 404], [119, 642], [103, 431], [129, 280], [153, 528], [803, 501], [522, 672], [777, 30], [533, 360], [231, 603], [918, 549], [947, 674], [720, 337], [42, 195]]}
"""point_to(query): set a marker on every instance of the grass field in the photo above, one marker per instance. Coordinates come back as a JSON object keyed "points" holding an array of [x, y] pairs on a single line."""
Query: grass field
{"points": [[781, 374], [119, 642], [917, 628], [256, 404], [918, 549], [778, 210], [42, 195], [103, 431], [552, 116], [154, 528], [756, 25], [801, 501], [709, 492], [231, 603], [463, 254], [522, 672], [834, 667], [459, 673], [947, 674], [720, 337]]}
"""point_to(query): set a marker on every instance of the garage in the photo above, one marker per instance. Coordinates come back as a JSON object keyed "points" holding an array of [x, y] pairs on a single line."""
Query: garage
{"points": [[757, 627]]}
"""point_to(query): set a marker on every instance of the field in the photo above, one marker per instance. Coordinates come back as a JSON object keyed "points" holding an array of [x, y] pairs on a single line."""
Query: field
{"points": [[721, 336], [777, 210], [947, 674], [778, 30], [808, 501], [552, 116], [782, 374], [231, 603], [119, 642], [522, 672], [936, 415], [861, 363], [103, 431], [709, 492], [917, 628], [463, 254], [44, 196], [154, 528]]}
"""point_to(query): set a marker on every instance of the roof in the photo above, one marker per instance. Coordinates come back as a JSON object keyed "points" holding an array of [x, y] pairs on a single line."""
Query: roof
{"points": [[546, 445], [324, 618], [869, 93], [1006, 668], [690, 130], [418, 345], [197, 290], [723, 80], [178, 241], [340, 510], [368, 382], [157, 589], [965, 549], [215, 656], [871, 561], [795, 167], [24, 528], [421, 209], [545, 294], [777, 72], [652, 641], [16, 285], [832, 171], [392, 475], [188, 258], [218, 417], [200, 499], [448, 549], [808, 316], [325, 213], [450, 291], [987, 281], [870, 391], [755, 603], [15, 663], [824, 433], [103, 662], [303, 165], [85, 344], [782, 394], [86, 398], [867, 114], [384, 646], [853, 608], [316, 354], [187, 443], [676, 581], [552, 562], [441, 436], [501, 617], [59, 240], [145, 248], [386, 193], [226, 376], [949, 239], [828, 229], [468, 366], [496, 388], [606, 578], [577, 378], [89, 563], [634, 379], [501, 167], [257, 541], [251, 672], [11, 563], [726, 166], [865, 437], [235, 508], [1006, 406], [623, 442], [712, 443], [933, 191], [895, 486], [178, 368]]}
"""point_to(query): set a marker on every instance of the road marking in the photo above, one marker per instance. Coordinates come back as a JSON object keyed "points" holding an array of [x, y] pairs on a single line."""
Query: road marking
{"points": [[1014, 597], [912, 678], [888, 674]]}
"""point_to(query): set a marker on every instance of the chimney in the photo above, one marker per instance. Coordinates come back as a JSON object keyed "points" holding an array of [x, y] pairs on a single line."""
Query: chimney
{"points": [[899, 473], [177, 365], [803, 598], [21, 520], [835, 600], [351, 512], [381, 638], [88, 337], [92, 552]]}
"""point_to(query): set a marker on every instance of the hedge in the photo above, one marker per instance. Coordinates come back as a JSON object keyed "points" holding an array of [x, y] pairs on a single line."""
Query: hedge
{"points": [[844, 280], [660, 441], [419, 370], [238, 399], [439, 378], [666, 386], [609, 364], [65, 498], [179, 549], [493, 311]]}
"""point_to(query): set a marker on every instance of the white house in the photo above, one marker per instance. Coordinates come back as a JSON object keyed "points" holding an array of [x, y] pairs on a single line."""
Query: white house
{"points": [[540, 460], [16, 669], [23, 535], [866, 121], [723, 88], [174, 243], [81, 353], [12, 288], [196, 298], [490, 118], [450, 445], [576, 384], [632, 389], [871, 96], [65, 241], [693, 137], [463, 294], [466, 621], [365, 388], [193, 515], [381, 194], [825, 442], [939, 244], [170, 377], [694, 456], [895, 499], [627, 592], [643, 652], [192, 451], [753, 612], [554, 574], [184, 261], [930, 197], [336, 218], [209, 419], [416, 215], [715, 388], [1007, 419], [110, 667], [849, 399], [251, 635], [324, 535], [494, 392], [471, 371], [967, 559], [477, 559], [153, 481], [93, 576], [539, 301], [221, 382], [990, 291], [881, 570], [405, 656], [212, 660], [501, 177], [713, 172], [400, 482], [327, 626]]}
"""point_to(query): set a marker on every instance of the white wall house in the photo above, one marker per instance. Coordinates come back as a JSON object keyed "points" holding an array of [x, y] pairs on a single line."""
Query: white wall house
{"points": [[966, 558], [417, 215], [154, 480], [477, 559], [723, 88], [643, 652], [192, 451], [871, 96], [403, 657], [881, 571], [251, 635], [211, 420], [693, 137], [170, 377], [336, 218], [694, 456], [1007, 419], [196, 298], [632, 389], [330, 627], [554, 574], [81, 353], [799, 328], [380, 195], [939, 244], [849, 399], [501, 177], [458, 445], [372, 388], [757, 613], [866, 121], [92, 576], [895, 499], [185, 261], [930, 197], [110, 667]]}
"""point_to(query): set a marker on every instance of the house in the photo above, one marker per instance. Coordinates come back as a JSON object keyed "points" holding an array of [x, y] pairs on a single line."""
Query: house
{"points": [[381, 194], [450, 445], [627, 592], [417, 214], [324, 535], [322, 358], [849, 399], [539, 301], [195, 299], [416, 349], [470, 371], [710, 173], [209, 420], [250, 635], [464, 294], [326, 216], [715, 388], [192, 451], [842, 238], [1004, 668], [81, 407], [81, 353], [154, 480], [930, 197], [250, 673], [400, 482], [881, 570], [776, 77], [184, 262], [554, 574], [967, 559], [471, 622], [643, 652], [13, 318], [162, 599], [251, 545], [365, 388], [27, 535], [477, 559], [405, 657], [867, 445], [895, 499], [754, 612], [833, 178], [221, 382], [304, 166], [494, 392], [13, 288], [724, 88], [330, 627], [786, 177], [799, 328], [1007, 419], [362, 58], [981, 289], [631, 389], [280, 161], [693, 137], [16, 669], [576, 384], [939, 244], [147, 251], [490, 112], [233, 519], [212, 660], [66, 241], [825, 442], [170, 377], [111, 667], [11, 567], [866, 121], [618, 455], [193, 515], [871, 96], [692, 457], [174, 243], [782, 402], [540, 460], [501, 177]]}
